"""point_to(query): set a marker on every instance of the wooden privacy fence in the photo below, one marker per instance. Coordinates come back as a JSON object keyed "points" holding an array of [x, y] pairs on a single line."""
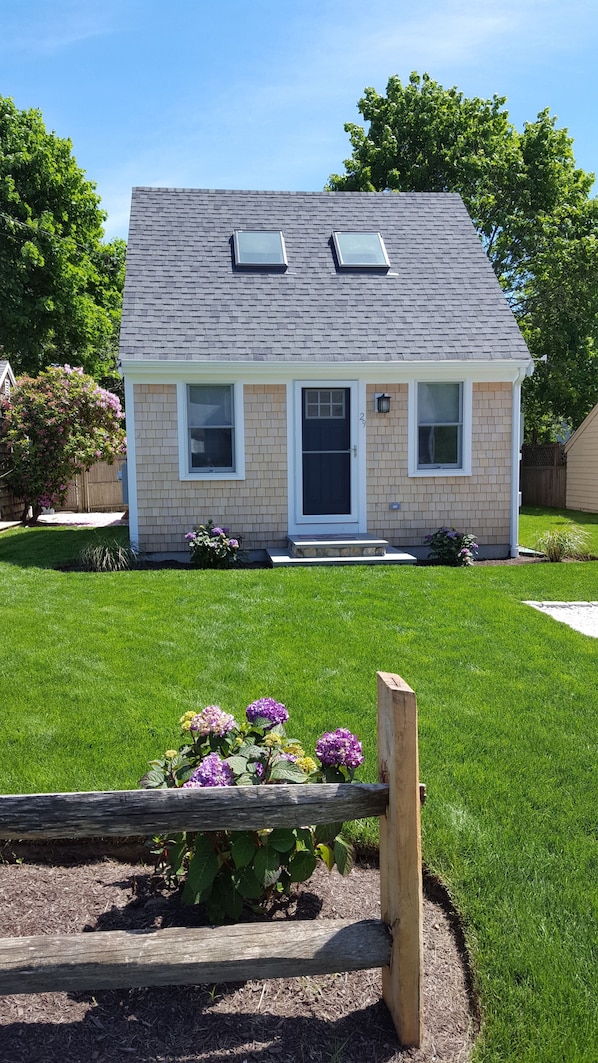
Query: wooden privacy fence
{"points": [[196, 956], [543, 475], [96, 490]]}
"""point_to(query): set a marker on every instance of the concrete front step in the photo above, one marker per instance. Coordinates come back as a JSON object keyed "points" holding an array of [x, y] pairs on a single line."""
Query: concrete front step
{"points": [[391, 556], [329, 546]]}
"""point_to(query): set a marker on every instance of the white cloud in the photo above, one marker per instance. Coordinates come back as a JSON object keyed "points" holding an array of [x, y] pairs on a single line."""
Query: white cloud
{"points": [[56, 27]]}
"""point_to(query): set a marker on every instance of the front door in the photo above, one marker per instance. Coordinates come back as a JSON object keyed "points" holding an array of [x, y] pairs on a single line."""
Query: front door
{"points": [[326, 457], [326, 451]]}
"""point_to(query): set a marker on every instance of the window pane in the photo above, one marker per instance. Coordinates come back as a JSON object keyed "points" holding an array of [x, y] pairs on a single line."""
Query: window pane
{"points": [[360, 249], [439, 403], [211, 448], [324, 403], [439, 445], [263, 248], [210, 405]]}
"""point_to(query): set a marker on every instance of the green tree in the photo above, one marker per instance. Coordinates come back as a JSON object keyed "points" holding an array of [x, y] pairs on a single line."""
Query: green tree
{"points": [[61, 286], [531, 206], [54, 426]]}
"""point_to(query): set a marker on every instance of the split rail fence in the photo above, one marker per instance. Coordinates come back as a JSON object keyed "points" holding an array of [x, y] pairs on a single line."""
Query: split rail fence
{"points": [[197, 956]]}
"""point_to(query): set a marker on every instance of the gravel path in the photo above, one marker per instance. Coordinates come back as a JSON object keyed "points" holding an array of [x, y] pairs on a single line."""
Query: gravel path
{"points": [[583, 616]]}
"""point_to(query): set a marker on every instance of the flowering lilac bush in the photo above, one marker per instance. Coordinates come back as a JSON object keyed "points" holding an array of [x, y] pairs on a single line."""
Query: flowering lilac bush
{"points": [[57, 425], [451, 547], [225, 869], [213, 547]]}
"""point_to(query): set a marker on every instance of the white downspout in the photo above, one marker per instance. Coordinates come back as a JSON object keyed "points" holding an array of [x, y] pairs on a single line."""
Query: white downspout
{"points": [[516, 457]]}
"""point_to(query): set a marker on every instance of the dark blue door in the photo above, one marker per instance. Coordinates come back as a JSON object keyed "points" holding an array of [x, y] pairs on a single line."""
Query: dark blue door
{"points": [[326, 450]]}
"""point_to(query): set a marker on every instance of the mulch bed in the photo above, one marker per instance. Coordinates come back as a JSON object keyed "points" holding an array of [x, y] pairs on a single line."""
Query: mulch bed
{"points": [[72, 888]]}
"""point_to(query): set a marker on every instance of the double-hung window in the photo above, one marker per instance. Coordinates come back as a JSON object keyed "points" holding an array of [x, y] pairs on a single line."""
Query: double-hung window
{"points": [[440, 429], [210, 439]]}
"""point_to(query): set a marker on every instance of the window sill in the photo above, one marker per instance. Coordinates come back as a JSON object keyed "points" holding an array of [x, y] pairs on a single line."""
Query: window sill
{"points": [[210, 476], [439, 471]]}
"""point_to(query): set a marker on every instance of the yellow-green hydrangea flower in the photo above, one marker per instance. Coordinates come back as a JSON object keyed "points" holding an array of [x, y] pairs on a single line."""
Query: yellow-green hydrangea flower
{"points": [[170, 753], [307, 765]]}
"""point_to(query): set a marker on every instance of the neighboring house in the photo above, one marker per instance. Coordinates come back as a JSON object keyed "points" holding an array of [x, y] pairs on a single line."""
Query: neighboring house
{"points": [[264, 333], [582, 465], [7, 379]]}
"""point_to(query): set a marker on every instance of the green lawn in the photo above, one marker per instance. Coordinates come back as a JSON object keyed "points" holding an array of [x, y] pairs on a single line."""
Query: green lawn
{"points": [[534, 520], [96, 669]]}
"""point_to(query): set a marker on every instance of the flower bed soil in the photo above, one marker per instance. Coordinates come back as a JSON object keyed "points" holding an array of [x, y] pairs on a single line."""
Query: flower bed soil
{"points": [[70, 888]]}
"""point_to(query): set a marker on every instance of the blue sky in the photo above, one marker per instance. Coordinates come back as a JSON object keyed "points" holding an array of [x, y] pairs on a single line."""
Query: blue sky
{"points": [[255, 94]]}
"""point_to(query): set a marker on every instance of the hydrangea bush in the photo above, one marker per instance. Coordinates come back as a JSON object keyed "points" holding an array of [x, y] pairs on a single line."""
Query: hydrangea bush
{"points": [[452, 547], [213, 547], [226, 869]]}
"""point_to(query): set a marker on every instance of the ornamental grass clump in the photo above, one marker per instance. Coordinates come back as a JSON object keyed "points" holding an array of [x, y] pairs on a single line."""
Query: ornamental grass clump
{"points": [[213, 547], [568, 541], [451, 547], [108, 557], [226, 870]]}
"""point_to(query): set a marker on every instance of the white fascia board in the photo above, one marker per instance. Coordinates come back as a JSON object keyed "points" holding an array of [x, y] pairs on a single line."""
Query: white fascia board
{"points": [[395, 372]]}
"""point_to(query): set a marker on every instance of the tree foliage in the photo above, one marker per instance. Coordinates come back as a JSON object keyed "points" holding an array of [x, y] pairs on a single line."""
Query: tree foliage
{"points": [[61, 286], [54, 426], [530, 204]]}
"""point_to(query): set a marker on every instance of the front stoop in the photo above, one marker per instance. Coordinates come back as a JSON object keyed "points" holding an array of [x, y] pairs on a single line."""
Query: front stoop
{"points": [[338, 550]]}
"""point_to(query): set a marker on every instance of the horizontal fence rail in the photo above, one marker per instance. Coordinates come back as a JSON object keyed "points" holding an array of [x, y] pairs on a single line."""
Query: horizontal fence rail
{"points": [[190, 956], [118, 813], [179, 956]]}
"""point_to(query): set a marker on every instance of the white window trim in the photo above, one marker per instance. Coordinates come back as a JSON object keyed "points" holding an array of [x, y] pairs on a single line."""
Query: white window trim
{"points": [[466, 442], [183, 435]]}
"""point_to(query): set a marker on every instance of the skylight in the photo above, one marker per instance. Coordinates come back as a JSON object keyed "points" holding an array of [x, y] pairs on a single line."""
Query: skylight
{"points": [[360, 250], [260, 247]]}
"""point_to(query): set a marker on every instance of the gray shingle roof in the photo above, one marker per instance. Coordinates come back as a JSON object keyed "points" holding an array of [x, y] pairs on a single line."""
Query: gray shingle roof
{"points": [[184, 301]]}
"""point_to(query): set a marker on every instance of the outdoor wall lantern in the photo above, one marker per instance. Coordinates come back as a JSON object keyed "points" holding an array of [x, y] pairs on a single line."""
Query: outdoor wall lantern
{"points": [[383, 403]]}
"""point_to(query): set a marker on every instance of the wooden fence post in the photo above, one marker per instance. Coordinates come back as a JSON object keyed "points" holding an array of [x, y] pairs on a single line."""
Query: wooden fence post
{"points": [[400, 855]]}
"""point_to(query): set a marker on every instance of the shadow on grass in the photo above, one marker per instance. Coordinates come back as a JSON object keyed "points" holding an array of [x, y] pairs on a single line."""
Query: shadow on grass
{"points": [[49, 546]]}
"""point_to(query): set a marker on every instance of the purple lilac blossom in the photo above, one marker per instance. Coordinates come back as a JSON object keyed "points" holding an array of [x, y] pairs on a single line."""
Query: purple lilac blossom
{"points": [[212, 720], [268, 709], [339, 748], [211, 772]]}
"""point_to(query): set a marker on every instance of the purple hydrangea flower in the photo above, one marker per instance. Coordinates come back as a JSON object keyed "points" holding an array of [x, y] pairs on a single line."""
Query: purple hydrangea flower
{"points": [[190, 536], [259, 770], [339, 748], [212, 720], [211, 772], [217, 531], [233, 542], [268, 709]]}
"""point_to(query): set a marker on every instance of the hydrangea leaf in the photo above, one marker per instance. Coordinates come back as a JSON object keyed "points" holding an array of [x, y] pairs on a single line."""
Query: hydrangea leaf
{"points": [[326, 832], [287, 771], [282, 839], [242, 847], [203, 868], [302, 866], [238, 764], [248, 884], [266, 865], [343, 855], [153, 780], [326, 854]]}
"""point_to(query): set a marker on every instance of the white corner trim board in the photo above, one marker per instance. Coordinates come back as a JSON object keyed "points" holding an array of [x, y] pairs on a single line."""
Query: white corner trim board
{"points": [[582, 616]]}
